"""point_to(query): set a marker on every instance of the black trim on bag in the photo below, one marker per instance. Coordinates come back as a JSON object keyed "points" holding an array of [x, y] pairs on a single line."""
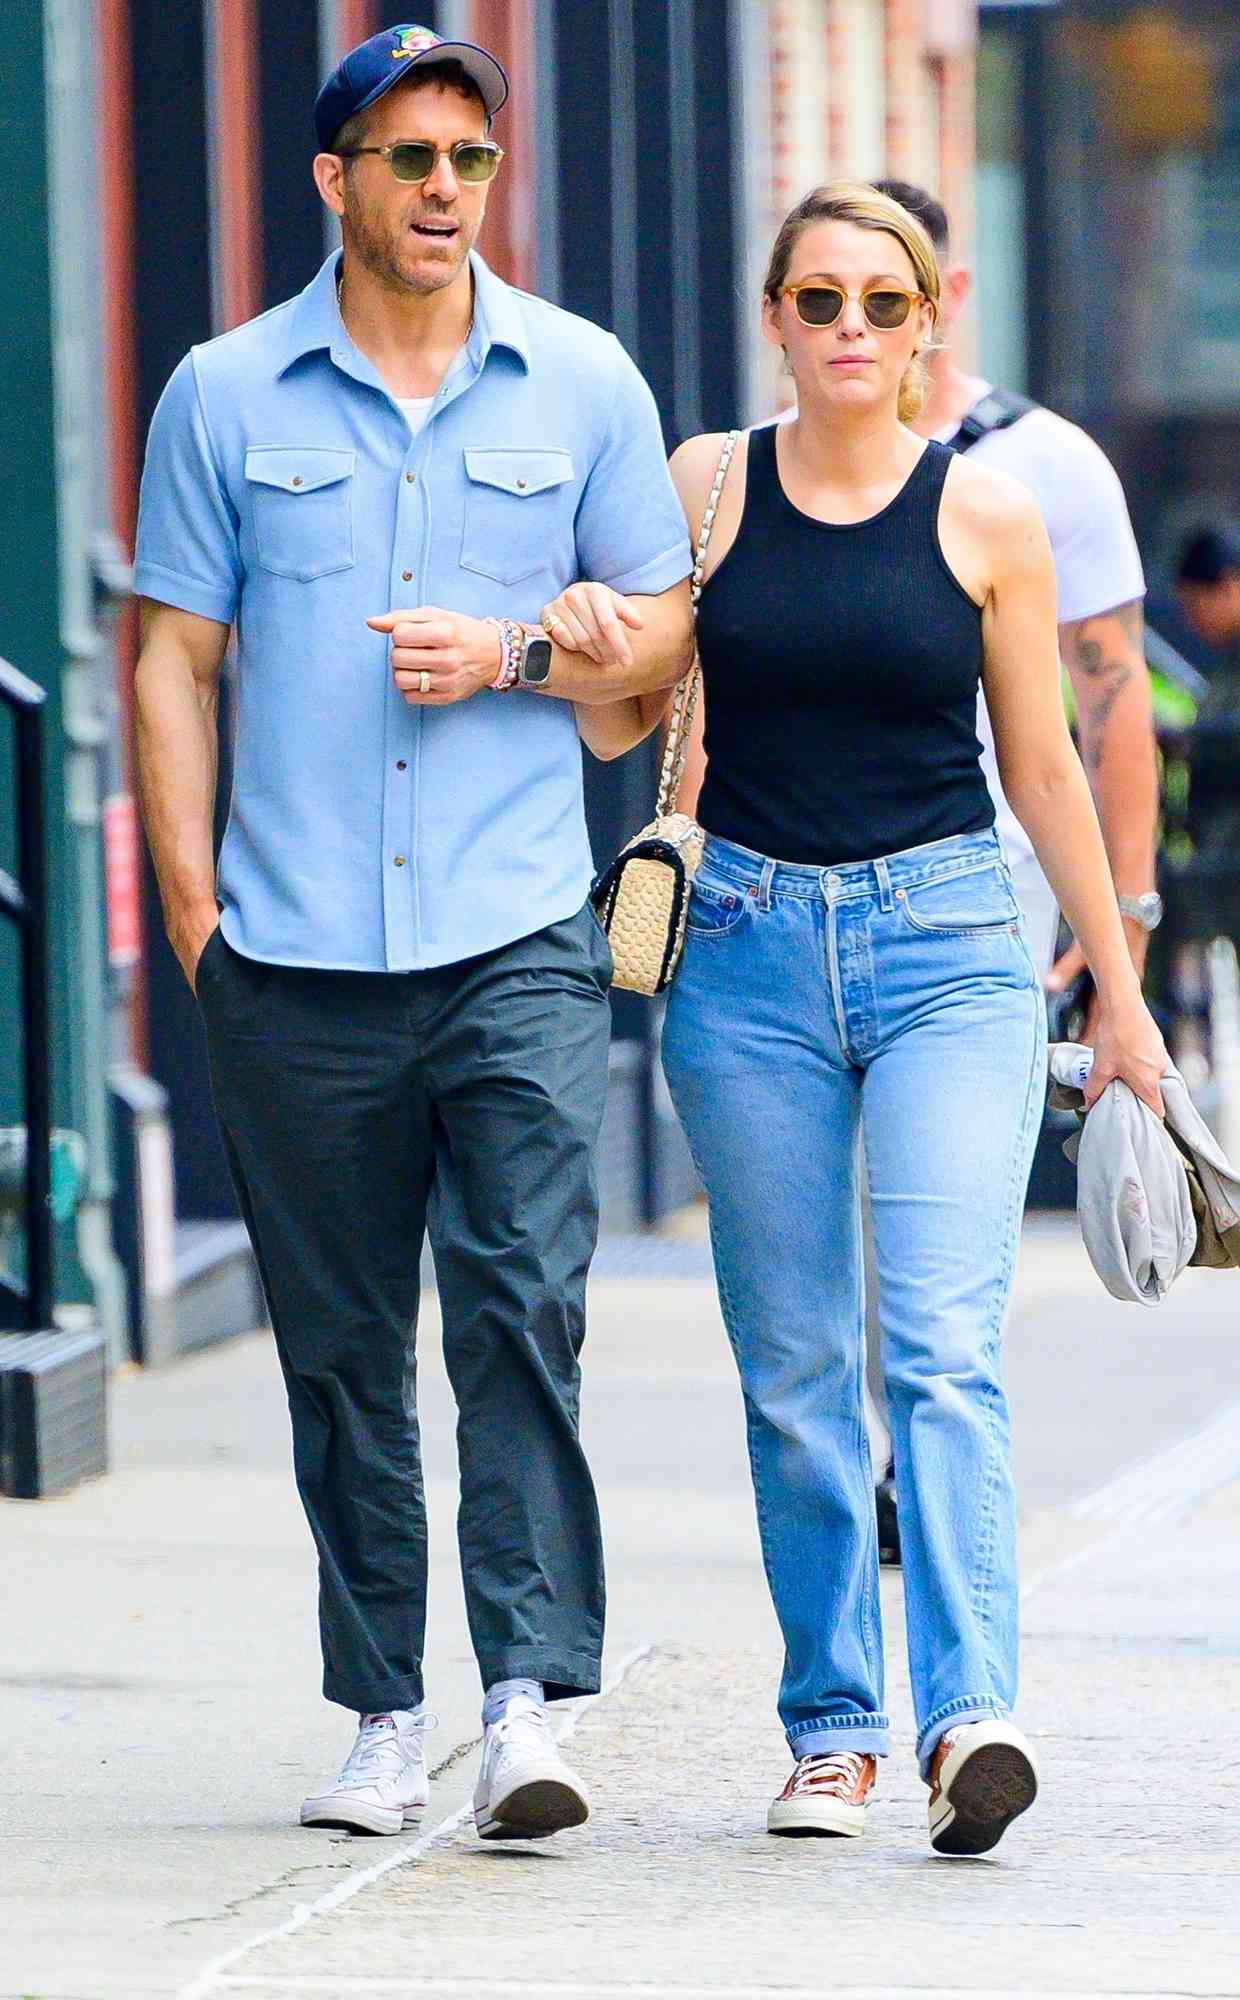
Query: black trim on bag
{"points": [[607, 888]]}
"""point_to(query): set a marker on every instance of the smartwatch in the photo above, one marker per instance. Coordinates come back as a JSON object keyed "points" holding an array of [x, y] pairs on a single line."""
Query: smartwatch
{"points": [[1146, 910], [534, 661]]}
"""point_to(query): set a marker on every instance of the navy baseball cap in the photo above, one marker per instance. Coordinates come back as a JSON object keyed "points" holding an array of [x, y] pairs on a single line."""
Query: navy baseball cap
{"points": [[369, 71]]}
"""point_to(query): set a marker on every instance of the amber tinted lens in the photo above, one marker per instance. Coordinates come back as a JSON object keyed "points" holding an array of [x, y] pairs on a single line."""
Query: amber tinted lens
{"points": [[819, 305], [475, 163], [413, 160], [887, 309]]}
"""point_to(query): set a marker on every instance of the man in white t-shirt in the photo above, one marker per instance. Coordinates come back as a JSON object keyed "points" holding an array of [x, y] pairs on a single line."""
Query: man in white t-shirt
{"points": [[1101, 591]]}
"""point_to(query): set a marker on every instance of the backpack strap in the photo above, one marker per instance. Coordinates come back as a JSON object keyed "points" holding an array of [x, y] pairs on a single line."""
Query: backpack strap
{"points": [[997, 411]]}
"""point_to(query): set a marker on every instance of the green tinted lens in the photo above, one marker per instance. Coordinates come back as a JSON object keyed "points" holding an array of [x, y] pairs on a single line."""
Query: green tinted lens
{"points": [[413, 160], [474, 163], [819, 305], [887, 309]]}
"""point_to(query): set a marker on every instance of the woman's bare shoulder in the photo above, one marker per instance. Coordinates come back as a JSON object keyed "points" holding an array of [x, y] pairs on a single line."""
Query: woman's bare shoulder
{"points": [[693, 466], [990, 499]]}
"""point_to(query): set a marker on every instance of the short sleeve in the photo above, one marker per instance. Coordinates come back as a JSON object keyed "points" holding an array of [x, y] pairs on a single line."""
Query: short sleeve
{"points": [[1097, 563], [188, 553], [630, 526]]}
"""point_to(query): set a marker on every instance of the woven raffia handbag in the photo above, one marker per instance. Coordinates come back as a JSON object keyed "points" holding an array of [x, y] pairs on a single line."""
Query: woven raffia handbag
{"points": [[642, 900]]}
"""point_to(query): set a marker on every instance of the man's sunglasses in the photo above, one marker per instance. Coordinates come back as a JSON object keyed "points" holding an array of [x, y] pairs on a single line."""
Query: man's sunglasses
{"points": [[816, 304], [416, 159]]}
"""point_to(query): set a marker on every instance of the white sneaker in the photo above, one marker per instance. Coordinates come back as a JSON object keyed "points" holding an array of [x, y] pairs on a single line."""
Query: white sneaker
{"points": [[525, 1790], [383, 1786], [982, 1777]]}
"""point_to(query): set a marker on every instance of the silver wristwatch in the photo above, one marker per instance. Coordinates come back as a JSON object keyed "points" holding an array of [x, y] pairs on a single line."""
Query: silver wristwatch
{"points": [[1146, 910]]}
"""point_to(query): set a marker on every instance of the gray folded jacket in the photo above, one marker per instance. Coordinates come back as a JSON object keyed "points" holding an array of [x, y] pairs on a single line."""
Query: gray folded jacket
{"points": [[1151, 1197]]}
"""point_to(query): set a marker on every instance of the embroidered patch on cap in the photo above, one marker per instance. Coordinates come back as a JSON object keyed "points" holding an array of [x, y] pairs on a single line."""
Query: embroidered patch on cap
{"points": [[414, 42]]}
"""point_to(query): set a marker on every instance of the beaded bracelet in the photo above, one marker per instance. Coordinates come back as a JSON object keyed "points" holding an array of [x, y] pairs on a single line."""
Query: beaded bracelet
{"points": [[511, 639]]}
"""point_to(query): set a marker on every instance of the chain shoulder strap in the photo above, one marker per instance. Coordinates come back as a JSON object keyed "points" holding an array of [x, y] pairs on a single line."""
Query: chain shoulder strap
{"points": [[684, 705]]}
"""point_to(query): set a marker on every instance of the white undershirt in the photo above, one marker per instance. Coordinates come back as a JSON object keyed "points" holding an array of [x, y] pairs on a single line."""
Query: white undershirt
{"points": [[416, 409]]}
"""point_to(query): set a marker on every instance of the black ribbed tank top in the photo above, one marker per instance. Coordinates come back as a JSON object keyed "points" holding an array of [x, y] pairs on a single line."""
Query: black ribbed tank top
{"points": [[841, 669]]}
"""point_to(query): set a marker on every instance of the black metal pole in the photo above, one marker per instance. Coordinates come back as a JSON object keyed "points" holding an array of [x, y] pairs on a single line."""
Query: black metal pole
{"points": [[33, 864], [27, 699]]}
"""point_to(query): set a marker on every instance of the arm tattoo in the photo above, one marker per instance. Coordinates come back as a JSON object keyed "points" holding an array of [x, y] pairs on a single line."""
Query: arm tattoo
{"points": [[1098, 653]]}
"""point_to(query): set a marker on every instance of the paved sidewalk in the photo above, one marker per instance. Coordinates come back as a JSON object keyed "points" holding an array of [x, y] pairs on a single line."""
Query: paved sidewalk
{"points": [[159, 1670]]}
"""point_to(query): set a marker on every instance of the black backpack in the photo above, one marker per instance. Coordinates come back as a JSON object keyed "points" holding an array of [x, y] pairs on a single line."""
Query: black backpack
{"points": [[997, 411]]}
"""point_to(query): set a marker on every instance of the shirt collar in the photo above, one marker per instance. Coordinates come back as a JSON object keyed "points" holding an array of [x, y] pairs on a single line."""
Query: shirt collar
{"points": [[316, 324]]}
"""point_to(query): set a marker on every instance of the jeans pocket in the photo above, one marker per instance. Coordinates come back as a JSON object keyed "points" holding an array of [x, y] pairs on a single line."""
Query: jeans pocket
{"points": [[714, 909], [975, 903]]}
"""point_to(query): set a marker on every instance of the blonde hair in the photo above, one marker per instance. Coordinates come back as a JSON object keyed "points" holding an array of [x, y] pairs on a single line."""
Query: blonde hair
{"points": [[863, 206]]}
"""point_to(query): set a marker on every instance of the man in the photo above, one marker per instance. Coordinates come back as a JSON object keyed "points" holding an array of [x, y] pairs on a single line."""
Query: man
{"points": [[379, 484], [1101, 589], [1200, 615]]}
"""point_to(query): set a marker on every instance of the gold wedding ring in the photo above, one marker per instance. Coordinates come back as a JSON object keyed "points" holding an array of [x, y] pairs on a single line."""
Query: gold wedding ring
{"points": [[424, 683]]}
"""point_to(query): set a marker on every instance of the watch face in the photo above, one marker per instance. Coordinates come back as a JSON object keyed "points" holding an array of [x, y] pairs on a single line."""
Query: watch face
{"points": [[536, 663]]}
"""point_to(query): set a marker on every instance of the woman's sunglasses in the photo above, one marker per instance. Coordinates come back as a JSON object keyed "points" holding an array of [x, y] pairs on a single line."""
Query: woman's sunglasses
{"points": [[816, 304], [415, 160]]}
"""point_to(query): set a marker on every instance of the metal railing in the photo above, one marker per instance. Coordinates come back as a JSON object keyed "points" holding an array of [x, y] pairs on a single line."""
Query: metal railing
{"points": [[24, 902]]}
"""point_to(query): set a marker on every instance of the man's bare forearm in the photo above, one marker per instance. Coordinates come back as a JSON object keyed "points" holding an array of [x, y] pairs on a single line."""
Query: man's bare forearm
{"points": [[178, 756], [661, 651], [1115, 722]]}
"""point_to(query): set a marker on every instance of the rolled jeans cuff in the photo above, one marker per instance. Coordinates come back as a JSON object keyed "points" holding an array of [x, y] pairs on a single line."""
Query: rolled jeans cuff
{"points": [[953, 1715], [867, 1734], [563, 1675]]}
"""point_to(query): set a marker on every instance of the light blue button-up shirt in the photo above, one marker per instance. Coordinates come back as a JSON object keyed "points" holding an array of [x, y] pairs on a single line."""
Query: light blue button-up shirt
{"points": [[284, 492]]}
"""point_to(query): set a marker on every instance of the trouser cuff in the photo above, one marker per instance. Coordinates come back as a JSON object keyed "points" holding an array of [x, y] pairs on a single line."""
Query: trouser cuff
{"points": [[375, 1697], [953, 1714], [563, 1675], [868, 1734]]}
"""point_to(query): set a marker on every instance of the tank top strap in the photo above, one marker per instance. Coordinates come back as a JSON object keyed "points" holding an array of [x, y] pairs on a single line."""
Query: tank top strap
{"points": [[930, 476], [762, 470]]}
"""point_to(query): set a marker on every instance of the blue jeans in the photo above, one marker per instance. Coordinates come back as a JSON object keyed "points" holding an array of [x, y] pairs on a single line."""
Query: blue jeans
{"points": [[897, 994]]}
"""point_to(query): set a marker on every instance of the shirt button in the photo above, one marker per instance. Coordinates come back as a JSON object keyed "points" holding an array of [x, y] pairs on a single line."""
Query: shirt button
{"points": [[297, 479], [401, 764], [522, 484], [406, 576], [400, 861], [410, 477]]}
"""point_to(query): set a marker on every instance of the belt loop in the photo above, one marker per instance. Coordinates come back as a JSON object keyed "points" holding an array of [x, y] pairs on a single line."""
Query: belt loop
{"points": [[885, 901], [764, 886]]}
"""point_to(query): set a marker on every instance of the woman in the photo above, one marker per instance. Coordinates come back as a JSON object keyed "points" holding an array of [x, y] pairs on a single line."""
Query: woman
{"points": [[855, 958]]}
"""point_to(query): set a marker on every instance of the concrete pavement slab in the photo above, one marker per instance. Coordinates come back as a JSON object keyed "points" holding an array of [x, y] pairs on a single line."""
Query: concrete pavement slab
{"points": [[158, 1652]]}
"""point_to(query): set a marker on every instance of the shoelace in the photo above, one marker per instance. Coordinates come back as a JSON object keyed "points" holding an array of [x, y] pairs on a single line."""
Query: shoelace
{"points": [[523, 1728], [383, 1751], [840, 1771]]}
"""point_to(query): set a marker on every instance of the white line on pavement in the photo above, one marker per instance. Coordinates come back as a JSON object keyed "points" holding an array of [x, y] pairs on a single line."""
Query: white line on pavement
{"points": [[1153, 1490], [214, 1979]]}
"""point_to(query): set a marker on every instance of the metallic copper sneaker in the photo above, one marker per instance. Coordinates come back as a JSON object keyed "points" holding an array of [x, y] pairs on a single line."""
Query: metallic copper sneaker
{"points": [[982, 1777], [825, 1795]]}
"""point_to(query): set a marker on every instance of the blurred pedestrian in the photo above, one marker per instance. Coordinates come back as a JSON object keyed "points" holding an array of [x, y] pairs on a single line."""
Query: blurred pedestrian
{"points": [[1200, 613], [1099, 585], [377, 484], [855, 952]]}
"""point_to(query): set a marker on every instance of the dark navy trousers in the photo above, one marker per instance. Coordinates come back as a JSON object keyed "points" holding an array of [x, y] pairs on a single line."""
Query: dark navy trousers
{"points": [[358, 1110]]}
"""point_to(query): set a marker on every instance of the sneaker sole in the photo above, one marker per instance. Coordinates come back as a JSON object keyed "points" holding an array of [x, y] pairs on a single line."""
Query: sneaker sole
{"points": [[993, 1786], [533, 1811], [801, 1819], [361, 1818]]}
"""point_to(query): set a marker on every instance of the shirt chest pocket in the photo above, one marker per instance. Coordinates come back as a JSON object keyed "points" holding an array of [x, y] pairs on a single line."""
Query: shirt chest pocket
{"points": [[303, 509], [514, 510]]}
